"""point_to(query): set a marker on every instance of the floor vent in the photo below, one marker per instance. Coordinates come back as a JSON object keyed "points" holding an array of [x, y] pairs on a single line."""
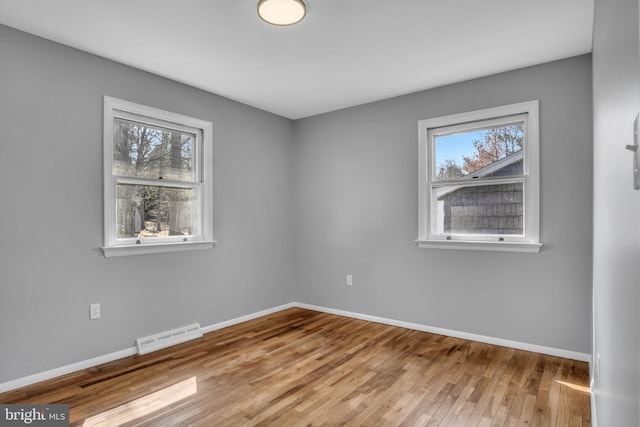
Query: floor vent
{"points": [[167, 339]]}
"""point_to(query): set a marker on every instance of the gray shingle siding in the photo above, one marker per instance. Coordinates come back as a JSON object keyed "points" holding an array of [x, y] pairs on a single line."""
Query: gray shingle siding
{"points": [[486, 209]]}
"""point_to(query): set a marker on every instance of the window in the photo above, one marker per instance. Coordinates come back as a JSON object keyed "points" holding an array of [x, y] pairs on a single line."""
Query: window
{"points": [[157, 180], [479, 180]]}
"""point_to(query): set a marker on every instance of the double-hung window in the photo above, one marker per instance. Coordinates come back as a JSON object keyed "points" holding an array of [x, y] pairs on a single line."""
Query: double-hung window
{"points": [[479, 180], [157, 180]]}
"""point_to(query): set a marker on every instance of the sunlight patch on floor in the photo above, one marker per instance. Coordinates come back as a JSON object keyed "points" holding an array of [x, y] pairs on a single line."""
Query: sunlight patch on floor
{"points": [[145, 405], [582, 388]]}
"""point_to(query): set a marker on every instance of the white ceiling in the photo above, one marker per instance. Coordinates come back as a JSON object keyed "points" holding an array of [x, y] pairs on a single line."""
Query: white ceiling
{"points": [[345, 52]]}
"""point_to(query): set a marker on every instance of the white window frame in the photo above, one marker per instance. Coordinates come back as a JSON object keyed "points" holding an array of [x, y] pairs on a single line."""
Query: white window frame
{"points": [[202, 237], [428, 235]]}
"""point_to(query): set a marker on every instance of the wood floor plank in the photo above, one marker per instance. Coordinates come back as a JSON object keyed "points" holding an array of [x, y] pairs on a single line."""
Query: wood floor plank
{"points": [[299, 367]]}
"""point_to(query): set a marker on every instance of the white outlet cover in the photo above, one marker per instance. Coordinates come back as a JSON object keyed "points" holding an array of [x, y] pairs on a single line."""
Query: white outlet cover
{"points": [[94, 311]]}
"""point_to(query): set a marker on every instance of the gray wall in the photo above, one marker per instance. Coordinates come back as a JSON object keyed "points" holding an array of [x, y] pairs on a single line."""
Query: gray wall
{"points": [[51, 267], [356, 198], [297, 206], [616, 255]]}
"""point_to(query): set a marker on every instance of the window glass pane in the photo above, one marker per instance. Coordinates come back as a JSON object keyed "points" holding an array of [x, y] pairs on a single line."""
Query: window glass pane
{"points": [[144, 151], [495, 151], [154, 211], [483, 209]]}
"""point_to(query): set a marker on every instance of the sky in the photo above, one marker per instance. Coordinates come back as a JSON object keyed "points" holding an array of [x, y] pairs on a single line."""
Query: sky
{"points": [[453, 147]]}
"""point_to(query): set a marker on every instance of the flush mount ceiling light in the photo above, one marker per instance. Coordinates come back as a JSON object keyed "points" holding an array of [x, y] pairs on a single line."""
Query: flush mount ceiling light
{"points": [[282, 12]]}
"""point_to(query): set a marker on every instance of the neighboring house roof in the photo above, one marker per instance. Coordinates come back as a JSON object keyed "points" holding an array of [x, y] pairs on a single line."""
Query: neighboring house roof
{"points": [[485, 171]]}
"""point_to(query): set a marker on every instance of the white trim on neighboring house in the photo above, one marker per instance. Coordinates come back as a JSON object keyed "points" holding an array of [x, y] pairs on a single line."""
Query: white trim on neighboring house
{"points": [[85, 364], [489, 169]]}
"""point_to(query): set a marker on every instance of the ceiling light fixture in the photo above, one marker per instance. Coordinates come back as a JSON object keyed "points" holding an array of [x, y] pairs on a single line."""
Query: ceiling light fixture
{"points": [[282, 12]]}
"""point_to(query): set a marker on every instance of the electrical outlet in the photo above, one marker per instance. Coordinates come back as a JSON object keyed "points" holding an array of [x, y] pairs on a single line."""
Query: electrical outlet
{"points": [[349, 280], [94, 311]]}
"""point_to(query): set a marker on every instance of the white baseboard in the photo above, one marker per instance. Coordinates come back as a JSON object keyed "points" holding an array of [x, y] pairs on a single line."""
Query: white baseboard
{"points": [[567, 354], [594, 412], [85, 364], [251, 316], [89, 363], [64, 370]]}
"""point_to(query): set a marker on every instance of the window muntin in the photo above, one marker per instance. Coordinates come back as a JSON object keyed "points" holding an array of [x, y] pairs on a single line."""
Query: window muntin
{"points": [[479, 179], [157, 180]]}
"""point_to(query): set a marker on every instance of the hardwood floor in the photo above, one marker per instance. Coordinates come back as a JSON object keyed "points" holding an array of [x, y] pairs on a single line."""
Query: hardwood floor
{"points": [[304, 368]]}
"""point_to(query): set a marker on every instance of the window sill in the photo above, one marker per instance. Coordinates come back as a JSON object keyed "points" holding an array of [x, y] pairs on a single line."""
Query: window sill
{"points": [[160, 248], [463, 245]]}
